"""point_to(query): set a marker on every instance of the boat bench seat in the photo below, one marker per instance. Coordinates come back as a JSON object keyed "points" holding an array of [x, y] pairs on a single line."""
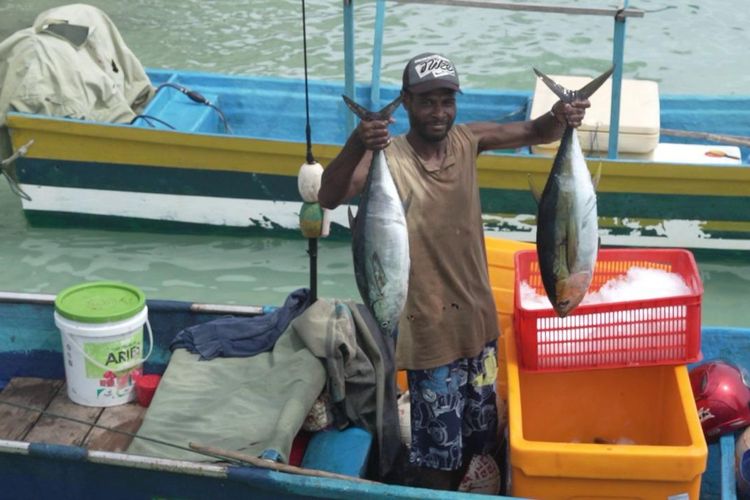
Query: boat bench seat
{"points": [[668, 152], [339, 451], [180, 112]]}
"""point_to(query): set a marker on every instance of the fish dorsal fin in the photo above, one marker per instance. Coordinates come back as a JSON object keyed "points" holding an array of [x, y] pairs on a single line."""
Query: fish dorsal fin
{"points": [[407, 202], [597, 177], [352, 218], [535, 192], [365, 114], [584, 92]]}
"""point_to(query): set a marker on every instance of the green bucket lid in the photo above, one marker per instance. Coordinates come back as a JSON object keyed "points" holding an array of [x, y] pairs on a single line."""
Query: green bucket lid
{"points": [[100, 302]]}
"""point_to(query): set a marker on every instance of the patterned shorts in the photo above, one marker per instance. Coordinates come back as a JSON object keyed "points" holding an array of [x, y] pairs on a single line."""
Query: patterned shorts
{"points": [[453, 411]]}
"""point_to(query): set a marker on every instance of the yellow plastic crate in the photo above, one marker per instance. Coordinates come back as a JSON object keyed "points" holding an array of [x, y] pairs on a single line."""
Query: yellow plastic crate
{"points": [[558, 420], [501, 265]]}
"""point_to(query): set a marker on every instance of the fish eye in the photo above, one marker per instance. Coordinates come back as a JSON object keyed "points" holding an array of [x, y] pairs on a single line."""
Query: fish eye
{"points": [[563, 303]]}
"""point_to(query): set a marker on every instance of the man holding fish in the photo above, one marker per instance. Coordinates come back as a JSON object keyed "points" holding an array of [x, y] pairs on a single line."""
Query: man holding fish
{"points": [[447, 332]]}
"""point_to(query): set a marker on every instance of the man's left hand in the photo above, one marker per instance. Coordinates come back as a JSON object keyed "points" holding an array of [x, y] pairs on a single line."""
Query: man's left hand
{"points": [[571, 114]]}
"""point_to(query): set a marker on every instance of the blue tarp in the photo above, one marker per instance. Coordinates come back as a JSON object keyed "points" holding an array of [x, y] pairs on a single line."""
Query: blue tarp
{"points": [[232, 337]]}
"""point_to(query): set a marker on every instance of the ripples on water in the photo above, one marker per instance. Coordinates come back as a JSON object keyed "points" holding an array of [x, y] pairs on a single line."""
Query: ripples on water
{"points": [[688, 48]]}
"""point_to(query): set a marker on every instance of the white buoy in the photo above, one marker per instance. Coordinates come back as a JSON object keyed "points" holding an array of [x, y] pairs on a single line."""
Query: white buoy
{"points": [[308, 185], [308, 181]]}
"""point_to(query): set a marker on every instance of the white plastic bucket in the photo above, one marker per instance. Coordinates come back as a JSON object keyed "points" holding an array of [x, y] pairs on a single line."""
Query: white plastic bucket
{"points": [[103, 358]]}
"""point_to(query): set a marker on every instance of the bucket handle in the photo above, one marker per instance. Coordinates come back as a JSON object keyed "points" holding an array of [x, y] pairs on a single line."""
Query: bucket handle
{"points": [[123, 368]]}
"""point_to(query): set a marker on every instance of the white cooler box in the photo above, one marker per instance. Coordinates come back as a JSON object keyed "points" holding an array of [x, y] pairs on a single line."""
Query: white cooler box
{"points": [[639, 115]]}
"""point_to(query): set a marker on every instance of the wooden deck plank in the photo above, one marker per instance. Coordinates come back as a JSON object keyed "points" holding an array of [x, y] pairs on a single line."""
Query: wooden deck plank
{"points": [[127, 418], [55, 430], [15, 423]]}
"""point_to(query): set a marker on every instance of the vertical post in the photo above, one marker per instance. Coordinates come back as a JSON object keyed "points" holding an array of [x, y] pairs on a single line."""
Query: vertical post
{"points": [[377, 54], [312, 251], [618, 55], [349, 59]]}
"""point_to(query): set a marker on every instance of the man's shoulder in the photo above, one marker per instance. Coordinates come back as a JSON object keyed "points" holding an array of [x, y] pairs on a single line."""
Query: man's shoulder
{"points": [[461, 134]]}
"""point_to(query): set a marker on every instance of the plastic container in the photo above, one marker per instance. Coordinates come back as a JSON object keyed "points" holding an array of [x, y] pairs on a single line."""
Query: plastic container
{"points": [[639, 115], [101, 325], [564, 429], [616, 334], [145, 387], [501, 266]]}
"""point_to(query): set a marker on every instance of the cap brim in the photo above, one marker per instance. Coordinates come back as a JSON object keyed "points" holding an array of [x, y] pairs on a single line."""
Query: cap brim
{"points": [[422, 87]]}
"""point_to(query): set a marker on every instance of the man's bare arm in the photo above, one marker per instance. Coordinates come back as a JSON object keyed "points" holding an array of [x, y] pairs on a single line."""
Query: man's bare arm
{"points": [[345, 176], [546, 128]]}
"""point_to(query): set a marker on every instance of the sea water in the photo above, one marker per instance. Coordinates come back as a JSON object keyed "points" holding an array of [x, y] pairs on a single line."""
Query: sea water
{"points": [[688, 47]]}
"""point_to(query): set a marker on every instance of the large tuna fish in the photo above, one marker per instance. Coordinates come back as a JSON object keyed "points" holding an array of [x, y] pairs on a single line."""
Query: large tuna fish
{"points": [[567, 228], [380, 242]]}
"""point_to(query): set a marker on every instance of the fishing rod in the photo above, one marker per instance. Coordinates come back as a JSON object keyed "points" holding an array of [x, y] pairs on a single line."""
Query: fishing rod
{"points": [[312, 243]]}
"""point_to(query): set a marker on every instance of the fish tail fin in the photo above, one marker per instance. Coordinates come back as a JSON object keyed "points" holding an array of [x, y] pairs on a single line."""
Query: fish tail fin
{"points": [[358, 110], [389, 108], [584, 92], [588, 90], [560, 91], [365, 114]]}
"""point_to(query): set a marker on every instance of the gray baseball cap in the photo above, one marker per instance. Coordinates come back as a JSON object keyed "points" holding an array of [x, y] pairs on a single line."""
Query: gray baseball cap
{"points": [[429, 71]]}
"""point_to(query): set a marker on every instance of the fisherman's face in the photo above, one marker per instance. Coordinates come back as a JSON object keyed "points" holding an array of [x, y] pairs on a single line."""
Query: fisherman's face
{"points": [[432, 113]]}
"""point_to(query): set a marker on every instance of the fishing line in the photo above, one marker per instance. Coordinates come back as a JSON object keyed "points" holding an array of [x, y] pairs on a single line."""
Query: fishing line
{"points": [[111, 429], [206, 451], [308, 130]]}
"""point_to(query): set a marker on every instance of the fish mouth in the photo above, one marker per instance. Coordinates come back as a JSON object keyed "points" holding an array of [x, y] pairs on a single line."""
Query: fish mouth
{"points": [[563, 308], [571, 291]]}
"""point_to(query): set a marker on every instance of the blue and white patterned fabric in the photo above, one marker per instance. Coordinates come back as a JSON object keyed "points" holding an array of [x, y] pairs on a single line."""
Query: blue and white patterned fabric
{"points": [[454, 411]]}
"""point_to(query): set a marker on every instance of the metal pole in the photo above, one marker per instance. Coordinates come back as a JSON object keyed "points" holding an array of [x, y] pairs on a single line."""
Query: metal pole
{"points": [[618, 56], [377, 54], [349, 59], [557, 9]]}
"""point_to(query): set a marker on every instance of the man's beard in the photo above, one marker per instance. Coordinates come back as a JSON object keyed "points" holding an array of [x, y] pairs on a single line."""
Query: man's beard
{"points": [[422, 130]]}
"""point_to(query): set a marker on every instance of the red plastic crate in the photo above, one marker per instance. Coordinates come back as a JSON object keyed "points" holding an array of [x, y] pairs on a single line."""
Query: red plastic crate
{"points": [[657, 331]]}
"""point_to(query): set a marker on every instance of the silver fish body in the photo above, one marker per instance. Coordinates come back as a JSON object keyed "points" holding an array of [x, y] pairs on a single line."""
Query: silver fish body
{"points": [[380, 247], [380, 242], [567, 223], [567, 228]]}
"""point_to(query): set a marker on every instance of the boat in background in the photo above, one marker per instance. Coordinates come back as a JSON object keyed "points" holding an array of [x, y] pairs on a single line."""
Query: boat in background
{"points": [[675, 169], [198, 176]]}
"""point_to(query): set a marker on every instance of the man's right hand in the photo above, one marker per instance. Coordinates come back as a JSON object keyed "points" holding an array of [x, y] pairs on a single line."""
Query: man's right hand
{"points": [[374, 134]]}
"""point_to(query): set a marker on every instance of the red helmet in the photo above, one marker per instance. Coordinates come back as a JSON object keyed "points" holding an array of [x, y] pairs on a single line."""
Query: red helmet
{"points": [[722, 397]]}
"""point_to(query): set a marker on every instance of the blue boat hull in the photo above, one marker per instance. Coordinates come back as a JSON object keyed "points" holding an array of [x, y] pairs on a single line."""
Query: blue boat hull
{"points": [[37, 470]]}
